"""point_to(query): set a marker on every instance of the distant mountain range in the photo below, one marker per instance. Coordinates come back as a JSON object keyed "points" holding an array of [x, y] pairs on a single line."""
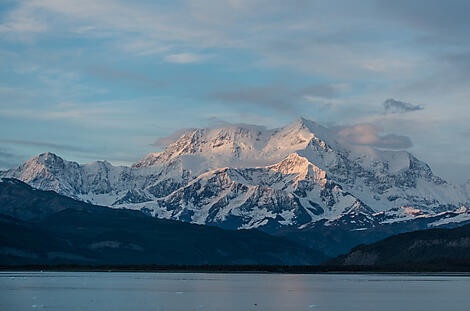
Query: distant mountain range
{"points": [[43, 227], [302, 181]]}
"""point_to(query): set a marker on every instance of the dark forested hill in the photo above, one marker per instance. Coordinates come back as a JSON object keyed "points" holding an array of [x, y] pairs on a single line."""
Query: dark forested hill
{"points": [[434, 246], [43, 227]]}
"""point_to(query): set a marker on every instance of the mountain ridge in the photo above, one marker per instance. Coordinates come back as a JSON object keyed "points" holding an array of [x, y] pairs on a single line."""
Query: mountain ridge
{"points": [[243, 176]]}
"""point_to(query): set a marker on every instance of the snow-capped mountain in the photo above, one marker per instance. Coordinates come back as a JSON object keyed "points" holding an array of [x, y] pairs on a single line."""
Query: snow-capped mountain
{"points": [[291, 192], [246, 176]]}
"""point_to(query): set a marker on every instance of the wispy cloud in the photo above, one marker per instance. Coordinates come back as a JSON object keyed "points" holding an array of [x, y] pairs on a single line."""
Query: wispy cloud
{"points": [[42, 144], [23, 21], [114, 74], [447, 23], [55, 114], [166, 140], [277, 96], [271, 96], [9, 159], [185, 58], [124, 22], [370, 135]]}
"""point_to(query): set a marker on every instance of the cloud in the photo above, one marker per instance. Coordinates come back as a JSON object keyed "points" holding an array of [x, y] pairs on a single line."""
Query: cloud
{"points": [[359, 134], [35, 143], [213, 123], [455, 172], [122, 22], [185, 58], [322, 90], [71, 114], [395, 106], [392, 141], [448, 22], [167, 140], [369, 135], [271, 96], [460, 63], [113, 74], [276, 96], [299, 36], [9, 159], [23, 21], [217, 123]]}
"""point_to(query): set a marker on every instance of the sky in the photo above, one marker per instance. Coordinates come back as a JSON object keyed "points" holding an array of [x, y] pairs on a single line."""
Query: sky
{"points": [[93, 80]]}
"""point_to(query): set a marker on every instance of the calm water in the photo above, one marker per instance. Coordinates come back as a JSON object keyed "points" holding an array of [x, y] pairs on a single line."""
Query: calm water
{"points": [[200, 291]]}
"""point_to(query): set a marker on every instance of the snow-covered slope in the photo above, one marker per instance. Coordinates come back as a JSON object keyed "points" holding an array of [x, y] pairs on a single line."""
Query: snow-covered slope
{"points": [[250, 177], [293, 192]]}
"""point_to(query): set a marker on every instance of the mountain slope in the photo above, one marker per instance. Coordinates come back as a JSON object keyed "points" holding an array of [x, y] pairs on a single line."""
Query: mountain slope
{"points": [[67, 231], [20, 201]]}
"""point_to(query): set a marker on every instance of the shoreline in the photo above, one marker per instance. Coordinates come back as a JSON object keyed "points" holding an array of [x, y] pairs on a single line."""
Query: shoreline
{"points": [[239, 269]]}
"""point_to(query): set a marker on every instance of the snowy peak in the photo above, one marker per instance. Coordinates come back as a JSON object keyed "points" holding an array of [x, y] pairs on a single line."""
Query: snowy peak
{"points": [[45, 165], [231, 142], [46, 171], [296, 136], [240, 145], [302, 124], [46, 161], [293, 164], [302, 167], [48, 157]]}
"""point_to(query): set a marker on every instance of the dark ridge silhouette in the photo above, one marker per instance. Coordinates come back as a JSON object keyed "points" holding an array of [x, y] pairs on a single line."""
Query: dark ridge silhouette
{"points": [[43, 227]]}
